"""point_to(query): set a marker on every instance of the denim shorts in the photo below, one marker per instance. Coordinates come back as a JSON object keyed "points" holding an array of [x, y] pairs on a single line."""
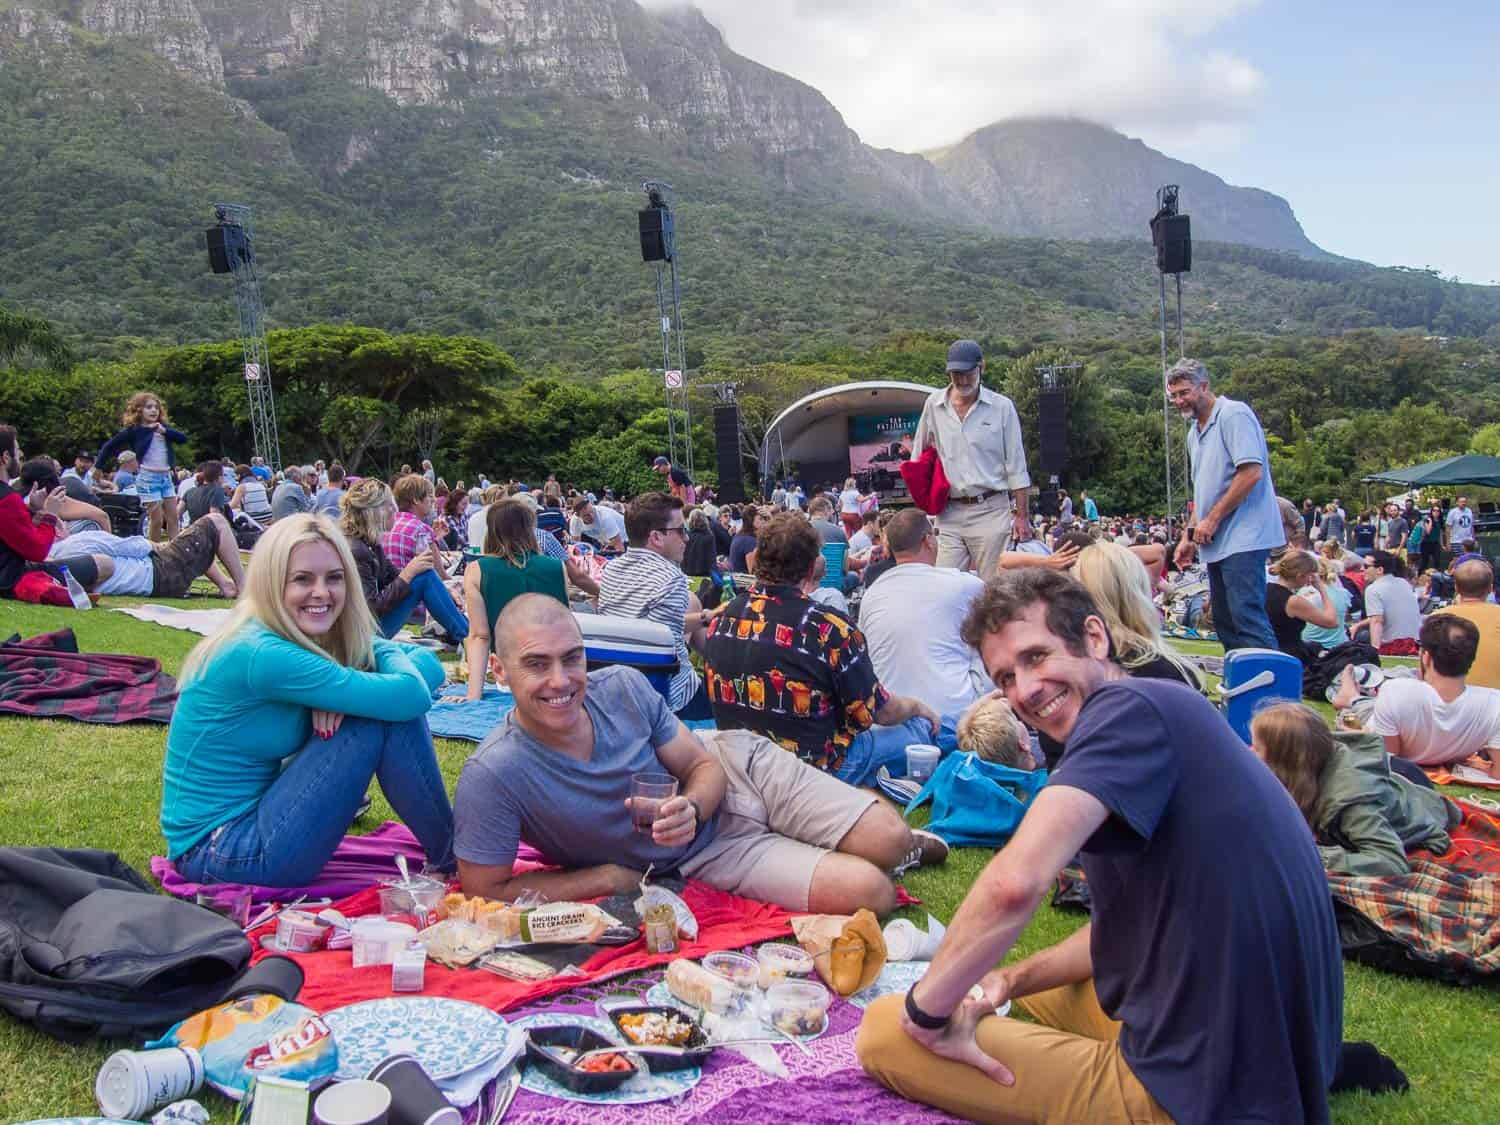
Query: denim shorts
{"points": [[152, 486]]}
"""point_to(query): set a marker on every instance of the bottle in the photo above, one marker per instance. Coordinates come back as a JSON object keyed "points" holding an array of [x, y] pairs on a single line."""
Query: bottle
{"points": [[76, 591]]}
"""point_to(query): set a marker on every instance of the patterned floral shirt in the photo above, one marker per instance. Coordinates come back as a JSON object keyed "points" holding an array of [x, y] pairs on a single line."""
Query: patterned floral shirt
{"points": [[795, 671]]}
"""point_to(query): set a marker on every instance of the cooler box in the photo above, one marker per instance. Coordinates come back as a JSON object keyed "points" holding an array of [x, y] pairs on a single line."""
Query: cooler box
{"points": [[1254, 677], [124, 512], [646, 646]]}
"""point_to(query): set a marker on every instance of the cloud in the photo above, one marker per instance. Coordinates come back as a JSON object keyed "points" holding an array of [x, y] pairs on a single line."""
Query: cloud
{"points": [[912, 76]]}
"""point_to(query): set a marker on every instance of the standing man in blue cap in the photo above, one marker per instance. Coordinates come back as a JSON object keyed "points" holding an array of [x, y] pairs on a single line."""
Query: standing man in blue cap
{"points": [[977, 433]]}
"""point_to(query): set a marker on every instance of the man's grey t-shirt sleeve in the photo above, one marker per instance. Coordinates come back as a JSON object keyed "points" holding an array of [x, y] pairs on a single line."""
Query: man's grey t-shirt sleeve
{"points": [[1374, 601], [486, 821]]}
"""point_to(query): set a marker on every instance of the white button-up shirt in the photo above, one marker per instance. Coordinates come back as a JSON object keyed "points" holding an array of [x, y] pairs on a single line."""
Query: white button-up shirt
{"points": [[980, 453]]}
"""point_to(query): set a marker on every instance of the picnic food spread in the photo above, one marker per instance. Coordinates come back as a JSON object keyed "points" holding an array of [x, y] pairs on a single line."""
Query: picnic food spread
{"points": [[655, 1029]]}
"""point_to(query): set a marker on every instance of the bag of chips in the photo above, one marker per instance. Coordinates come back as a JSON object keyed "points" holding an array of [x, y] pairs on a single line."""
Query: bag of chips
{"points": [[244, 1039]]}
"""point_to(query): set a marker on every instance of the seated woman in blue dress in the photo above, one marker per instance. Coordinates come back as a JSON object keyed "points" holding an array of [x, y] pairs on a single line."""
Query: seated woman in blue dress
{"points": [[287, 714]]}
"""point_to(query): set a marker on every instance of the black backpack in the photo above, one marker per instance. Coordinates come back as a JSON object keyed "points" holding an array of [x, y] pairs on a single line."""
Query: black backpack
{"points": [[88, 949]]}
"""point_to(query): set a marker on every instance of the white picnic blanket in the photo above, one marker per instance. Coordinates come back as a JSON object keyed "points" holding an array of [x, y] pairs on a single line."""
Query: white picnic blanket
{"points": [[205, 622]]}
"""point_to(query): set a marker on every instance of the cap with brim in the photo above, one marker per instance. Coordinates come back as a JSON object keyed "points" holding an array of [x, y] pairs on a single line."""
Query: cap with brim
{"points": [[661, 461], [964, 355]]}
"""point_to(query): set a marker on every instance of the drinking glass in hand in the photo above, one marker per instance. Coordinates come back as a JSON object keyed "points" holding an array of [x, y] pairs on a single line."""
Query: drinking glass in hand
{"points": [[648, 792]]}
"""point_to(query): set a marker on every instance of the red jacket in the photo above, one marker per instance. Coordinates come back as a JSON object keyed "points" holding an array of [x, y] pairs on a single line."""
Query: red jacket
{"points": [[926, 481], [22, 541]]}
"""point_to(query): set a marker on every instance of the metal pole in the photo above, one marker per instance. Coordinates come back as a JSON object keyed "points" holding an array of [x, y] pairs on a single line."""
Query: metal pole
{"points": [[1166, 406], [687, 410], [666, 360], [1181, 347]]}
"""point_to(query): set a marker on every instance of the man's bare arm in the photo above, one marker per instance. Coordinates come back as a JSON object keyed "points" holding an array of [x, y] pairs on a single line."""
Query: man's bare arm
{"points": [[499, 883], [1007, 892]]}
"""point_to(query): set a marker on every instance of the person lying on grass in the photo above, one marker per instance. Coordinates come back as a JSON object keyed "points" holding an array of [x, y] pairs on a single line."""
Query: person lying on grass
{"points": [[285, 716], [748, 818], [135, 565], [1365, 816], [1208, 986]]}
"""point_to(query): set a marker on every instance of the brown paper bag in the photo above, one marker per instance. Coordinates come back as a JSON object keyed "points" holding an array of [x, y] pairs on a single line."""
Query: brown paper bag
{"points": [[847, 952]]}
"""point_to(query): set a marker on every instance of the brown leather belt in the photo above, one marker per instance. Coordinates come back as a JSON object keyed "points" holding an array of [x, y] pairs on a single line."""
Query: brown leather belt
{"points": [[983, 496]]}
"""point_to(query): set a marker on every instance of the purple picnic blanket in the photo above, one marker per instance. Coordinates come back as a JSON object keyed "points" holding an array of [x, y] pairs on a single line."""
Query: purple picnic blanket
{"points": [[828, 1086], [358, 862]]}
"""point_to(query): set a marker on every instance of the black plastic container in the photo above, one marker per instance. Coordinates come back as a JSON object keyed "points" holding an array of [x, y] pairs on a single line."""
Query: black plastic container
{"points": [[697, 1046], [541, 1044]]}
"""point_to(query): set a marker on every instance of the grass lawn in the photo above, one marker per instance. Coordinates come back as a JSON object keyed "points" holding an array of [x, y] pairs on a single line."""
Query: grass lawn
{"points": [[73, 785]]}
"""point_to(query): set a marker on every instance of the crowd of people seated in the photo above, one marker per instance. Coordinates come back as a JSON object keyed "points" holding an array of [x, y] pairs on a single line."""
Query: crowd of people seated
{"points": [[821, 638]]}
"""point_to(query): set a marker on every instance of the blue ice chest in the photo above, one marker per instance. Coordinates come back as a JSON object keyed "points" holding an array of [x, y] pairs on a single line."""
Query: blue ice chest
{"points": [[1254, 677], [646, 646]]}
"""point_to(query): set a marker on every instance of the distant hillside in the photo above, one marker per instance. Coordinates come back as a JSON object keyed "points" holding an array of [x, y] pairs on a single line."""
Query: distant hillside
{"points": [[473, 166], [1051, 178]]}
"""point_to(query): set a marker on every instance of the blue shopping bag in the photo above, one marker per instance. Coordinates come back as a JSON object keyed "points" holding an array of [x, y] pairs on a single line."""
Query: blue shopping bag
{"points": [[977, 803]]}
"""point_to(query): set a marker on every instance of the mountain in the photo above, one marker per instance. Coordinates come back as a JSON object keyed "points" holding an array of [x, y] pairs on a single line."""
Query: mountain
{"points": [[1050, 178], [474, 166]]}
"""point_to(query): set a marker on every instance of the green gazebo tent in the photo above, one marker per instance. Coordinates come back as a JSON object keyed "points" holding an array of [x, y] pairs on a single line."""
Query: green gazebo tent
{"points": [[1467, 468]]}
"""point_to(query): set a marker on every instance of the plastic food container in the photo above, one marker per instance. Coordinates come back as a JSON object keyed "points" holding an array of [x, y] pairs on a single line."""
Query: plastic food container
{"points": [[411, 900], [921, 761], [741, 971], [550, 1050], [377, 940], [697, 1047], [798, 1007], [779, 960]]}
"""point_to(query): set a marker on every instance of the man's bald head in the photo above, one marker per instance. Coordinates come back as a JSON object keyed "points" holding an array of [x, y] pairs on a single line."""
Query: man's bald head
{"points": [[1473, 580], [529, 611]]}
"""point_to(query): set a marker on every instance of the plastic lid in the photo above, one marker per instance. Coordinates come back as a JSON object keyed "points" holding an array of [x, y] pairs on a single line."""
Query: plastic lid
{"points": [[787, 958], [735, 967]]}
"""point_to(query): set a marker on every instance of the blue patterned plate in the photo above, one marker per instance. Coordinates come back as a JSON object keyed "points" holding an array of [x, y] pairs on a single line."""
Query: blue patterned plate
{"points": [[448, 1037], [659, 993], [644, 1087]]}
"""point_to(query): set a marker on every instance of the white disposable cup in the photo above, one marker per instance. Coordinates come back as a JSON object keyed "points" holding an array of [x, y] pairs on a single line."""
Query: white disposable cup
{"points": [[133, 1083], [356, 1102], [925, 945], [900, 939], [921, 760]]}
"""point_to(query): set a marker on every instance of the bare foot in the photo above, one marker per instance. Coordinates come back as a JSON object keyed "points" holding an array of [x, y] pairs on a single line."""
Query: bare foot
{"points": [[1348, 690]]}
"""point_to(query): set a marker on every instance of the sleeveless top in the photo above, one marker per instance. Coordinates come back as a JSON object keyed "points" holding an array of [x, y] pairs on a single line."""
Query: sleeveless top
{"points": [[1287, 628], [500, 581], [257, 504]]}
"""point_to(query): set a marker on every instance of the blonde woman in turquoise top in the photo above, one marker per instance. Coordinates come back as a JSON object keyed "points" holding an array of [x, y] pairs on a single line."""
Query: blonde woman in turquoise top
{"points": [[285, 716]]}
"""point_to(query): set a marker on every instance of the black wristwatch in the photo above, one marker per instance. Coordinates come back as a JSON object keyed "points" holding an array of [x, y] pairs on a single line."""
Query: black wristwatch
{"points": [[920, 1018]]}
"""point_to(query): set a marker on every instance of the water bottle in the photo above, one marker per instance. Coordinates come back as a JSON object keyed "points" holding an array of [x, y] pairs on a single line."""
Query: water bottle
{"points": [[76, 591]]}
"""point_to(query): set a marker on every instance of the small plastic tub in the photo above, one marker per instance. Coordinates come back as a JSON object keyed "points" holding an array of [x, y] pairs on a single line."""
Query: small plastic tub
{"points": [[377, 941], [552, 1049], [778, 961], [741, 971], [798, 1007], [414, 900], [921, 761]]}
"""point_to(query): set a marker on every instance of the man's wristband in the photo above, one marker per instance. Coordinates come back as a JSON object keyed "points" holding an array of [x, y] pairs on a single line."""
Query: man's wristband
{"points": [[920, 1018]]}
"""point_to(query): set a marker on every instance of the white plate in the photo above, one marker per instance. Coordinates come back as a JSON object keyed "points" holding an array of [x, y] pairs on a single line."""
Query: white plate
{"points": [[448, 1037], [644, 1086]]}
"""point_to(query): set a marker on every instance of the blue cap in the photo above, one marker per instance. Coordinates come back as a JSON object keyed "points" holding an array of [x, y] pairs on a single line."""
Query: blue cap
{"points": [[964, 355]]}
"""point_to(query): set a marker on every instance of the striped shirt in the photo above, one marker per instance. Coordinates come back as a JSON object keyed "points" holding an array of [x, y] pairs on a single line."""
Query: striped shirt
{"points": [[643, 584]]}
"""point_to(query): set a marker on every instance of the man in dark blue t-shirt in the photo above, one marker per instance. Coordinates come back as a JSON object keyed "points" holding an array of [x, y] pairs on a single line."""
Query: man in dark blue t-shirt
{"points": [[1208, 986]]}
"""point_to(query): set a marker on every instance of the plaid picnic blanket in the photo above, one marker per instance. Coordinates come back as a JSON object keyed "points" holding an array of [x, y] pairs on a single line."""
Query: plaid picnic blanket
{"points": [[1446, 912], [47, 677]]}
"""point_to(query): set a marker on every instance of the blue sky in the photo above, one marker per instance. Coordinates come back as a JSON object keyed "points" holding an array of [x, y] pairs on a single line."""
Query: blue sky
{"points": [[1377, 121]]}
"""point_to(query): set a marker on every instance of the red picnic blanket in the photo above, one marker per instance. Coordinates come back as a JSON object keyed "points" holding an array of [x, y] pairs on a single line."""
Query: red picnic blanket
{"points": [[725, 921]]}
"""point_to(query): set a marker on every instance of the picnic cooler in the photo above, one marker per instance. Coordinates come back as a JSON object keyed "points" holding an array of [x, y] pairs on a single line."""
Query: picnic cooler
{"points": [[646, 646], [1254, 677], [124, 512]]}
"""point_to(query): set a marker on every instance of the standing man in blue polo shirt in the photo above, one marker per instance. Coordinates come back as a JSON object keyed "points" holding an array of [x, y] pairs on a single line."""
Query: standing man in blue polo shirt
{"points": [[1235, 521], [978, 437]]}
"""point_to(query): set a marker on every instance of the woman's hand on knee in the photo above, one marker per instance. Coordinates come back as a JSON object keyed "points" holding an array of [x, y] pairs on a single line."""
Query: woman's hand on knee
{"points": [[326, 723]]}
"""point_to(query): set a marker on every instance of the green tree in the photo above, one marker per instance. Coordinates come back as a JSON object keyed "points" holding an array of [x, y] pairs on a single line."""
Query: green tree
{"points": [[23, 336]]}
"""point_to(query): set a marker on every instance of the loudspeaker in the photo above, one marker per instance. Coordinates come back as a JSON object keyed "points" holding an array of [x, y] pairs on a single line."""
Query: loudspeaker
{"points": [[218, 256], [1052, 425], [656, 235], [1047, 504], [731, 488], [1172, 237], [227, 247]]}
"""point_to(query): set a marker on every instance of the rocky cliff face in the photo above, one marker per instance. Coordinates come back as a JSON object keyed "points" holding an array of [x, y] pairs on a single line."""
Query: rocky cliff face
{"points": [[1053, 179]]}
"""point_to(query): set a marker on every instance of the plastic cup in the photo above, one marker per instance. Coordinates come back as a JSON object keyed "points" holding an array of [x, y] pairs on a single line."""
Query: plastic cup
{"points": [[901, 937], [415, 1098], [921, 760], [133, 1083], [648, 792], [357, 1102]]}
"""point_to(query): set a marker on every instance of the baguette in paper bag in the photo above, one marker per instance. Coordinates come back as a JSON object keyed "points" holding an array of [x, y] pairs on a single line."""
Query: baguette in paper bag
{"points": [[848, 952]]}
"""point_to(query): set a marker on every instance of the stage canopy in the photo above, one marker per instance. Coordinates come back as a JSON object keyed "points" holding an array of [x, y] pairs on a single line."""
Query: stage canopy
{"points": [[1468, 468], [814, 431]]}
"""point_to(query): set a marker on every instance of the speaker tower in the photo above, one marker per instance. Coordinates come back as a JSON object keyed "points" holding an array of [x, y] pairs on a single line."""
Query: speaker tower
{"points": [[727, 450], [1052, 424]]}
